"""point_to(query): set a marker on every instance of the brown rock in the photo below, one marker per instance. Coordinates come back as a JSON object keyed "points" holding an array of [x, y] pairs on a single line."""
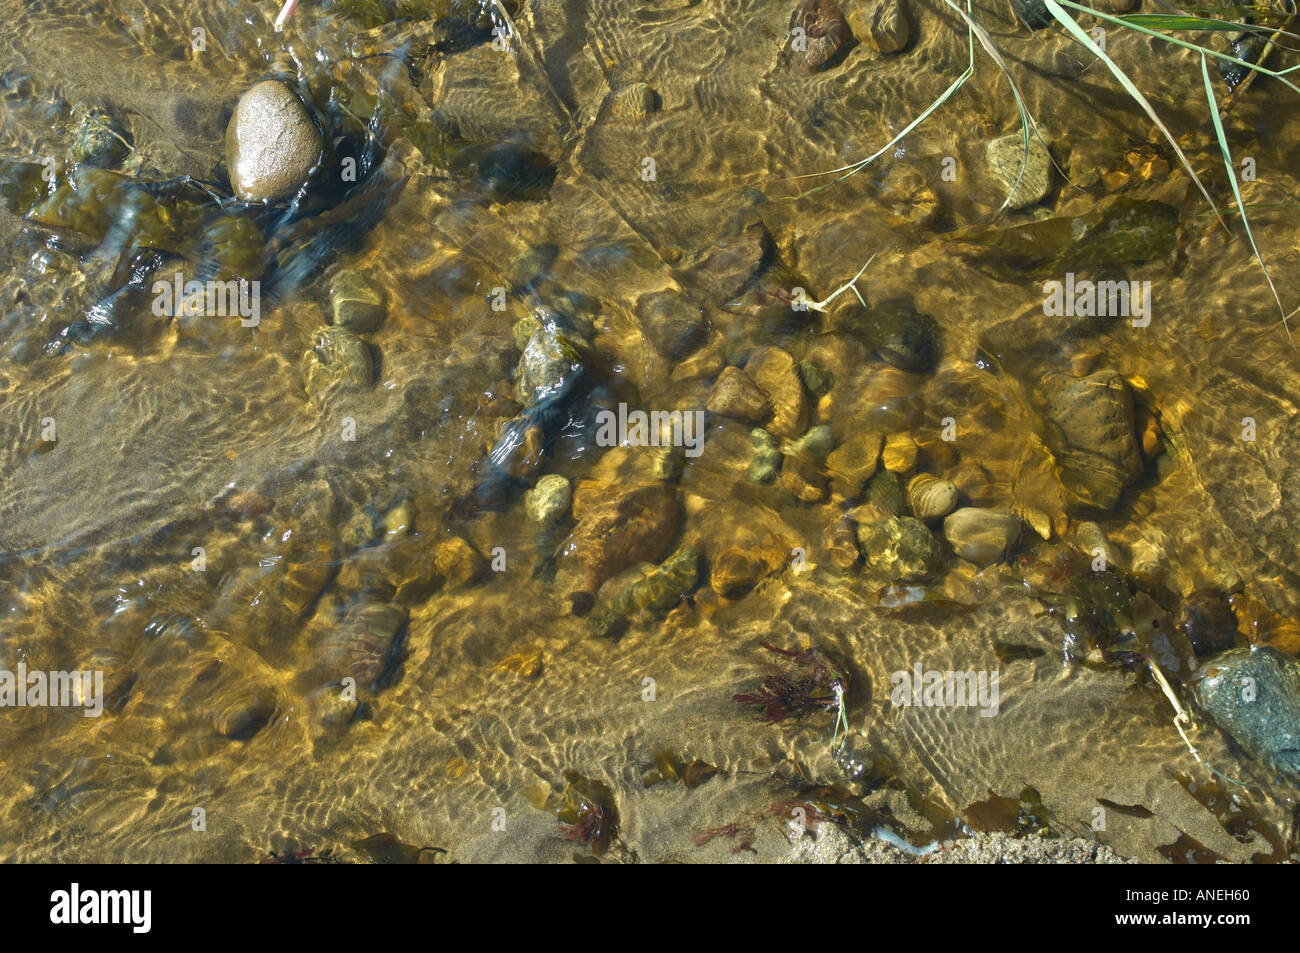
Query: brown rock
{"points": [[623, 527], [853, 463], [736, 395], [773, 370], [899, 453], [804, 479], [735, 572], [458, 562], [526, 663]]}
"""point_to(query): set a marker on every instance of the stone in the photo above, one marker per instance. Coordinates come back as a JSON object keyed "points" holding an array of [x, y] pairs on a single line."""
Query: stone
{"points": [[1092, 434], [901, 547], [357, 302], [804, 479], [853, 463], [826, 35], [546, 502], [817, 380], [338, 362], [902, 336], [931, 498], [1004, 156], [735, 395], [100, 140], [765, 461], [272, 144], [526, 663], [635, 101], [772, 369], [624, 526], [735, 572], [1254, 696], [980, 535], [548, 361], [890, 30], [1205, 617], [458, 562], [673, 325], [899, 453]]}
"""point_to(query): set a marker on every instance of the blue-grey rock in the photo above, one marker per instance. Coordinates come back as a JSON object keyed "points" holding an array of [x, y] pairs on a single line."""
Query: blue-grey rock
{"points": [[1254, 696]]}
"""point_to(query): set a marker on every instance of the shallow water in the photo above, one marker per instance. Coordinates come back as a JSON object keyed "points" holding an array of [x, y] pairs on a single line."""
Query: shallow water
{"points": [[157, 418]]}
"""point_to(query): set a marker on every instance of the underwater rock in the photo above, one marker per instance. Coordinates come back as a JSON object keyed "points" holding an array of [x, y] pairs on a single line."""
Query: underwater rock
{"points": [[980, 535], [672, 324], [1004, 156], [734, 259], [735, 395], [546, 502], [1091, 432], [734, 572], [357, 302], [511, 172], [622, 527], [826, 35], [842, 543], [901, 547], [1254, 696], [654, 588], [817, 380], [242, 716], [1090, 538], [899, 453], [272, 144], [765, 461], [931, 498], [804, 479], [814, 445], [338, 362], [635, 101], [549, 361], [458, 562], [772, 369], [882, 497], [100, 140], [366, 645], [853, 463], [902, 336], [890, 30], [1206, 618]]}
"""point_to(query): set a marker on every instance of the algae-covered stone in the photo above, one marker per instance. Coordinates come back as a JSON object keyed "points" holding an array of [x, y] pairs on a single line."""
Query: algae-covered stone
{"points": [[1254, 695], [272, 144], [1092, 433], [901, 547]]}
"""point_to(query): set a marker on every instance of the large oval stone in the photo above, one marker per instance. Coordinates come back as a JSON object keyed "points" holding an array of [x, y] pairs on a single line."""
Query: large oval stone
{"points": [[272, 144]]}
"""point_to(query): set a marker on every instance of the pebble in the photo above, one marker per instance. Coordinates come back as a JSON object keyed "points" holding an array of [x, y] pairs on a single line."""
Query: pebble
{"points": [[548, 361], [98, 140], [931, 498], [980, 535], [357, 302], [1254, 695], [1091, 432], [546, 502], [766, 458], [458, 562], [817, 380], [899, 453], [1005, 155], [338, 361], [772, 370], [813, 445], [826, 34], [1206, 618], [890, 30], [842, 544], [902, 336], [272, 144], [672, 324], [1091, 539], [901, 547], [635, 101], [804, 479], [735, 572], [624, 526], [853, 463], [735, 395]]}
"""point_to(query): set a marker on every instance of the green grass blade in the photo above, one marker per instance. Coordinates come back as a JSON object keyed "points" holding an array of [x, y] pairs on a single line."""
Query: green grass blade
{"points": [[1077, 32], [1236, 191]]}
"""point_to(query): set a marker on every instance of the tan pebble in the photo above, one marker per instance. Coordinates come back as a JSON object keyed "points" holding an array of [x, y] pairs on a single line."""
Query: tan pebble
{"points": [[899, 453], [526, 663], [854, 462], [930, 497], [1149, 428], [456, 767], [458, 562], [1081, 364], [735, 572], [736, 395], [803, 479], [772, 369], [842, 543]]}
